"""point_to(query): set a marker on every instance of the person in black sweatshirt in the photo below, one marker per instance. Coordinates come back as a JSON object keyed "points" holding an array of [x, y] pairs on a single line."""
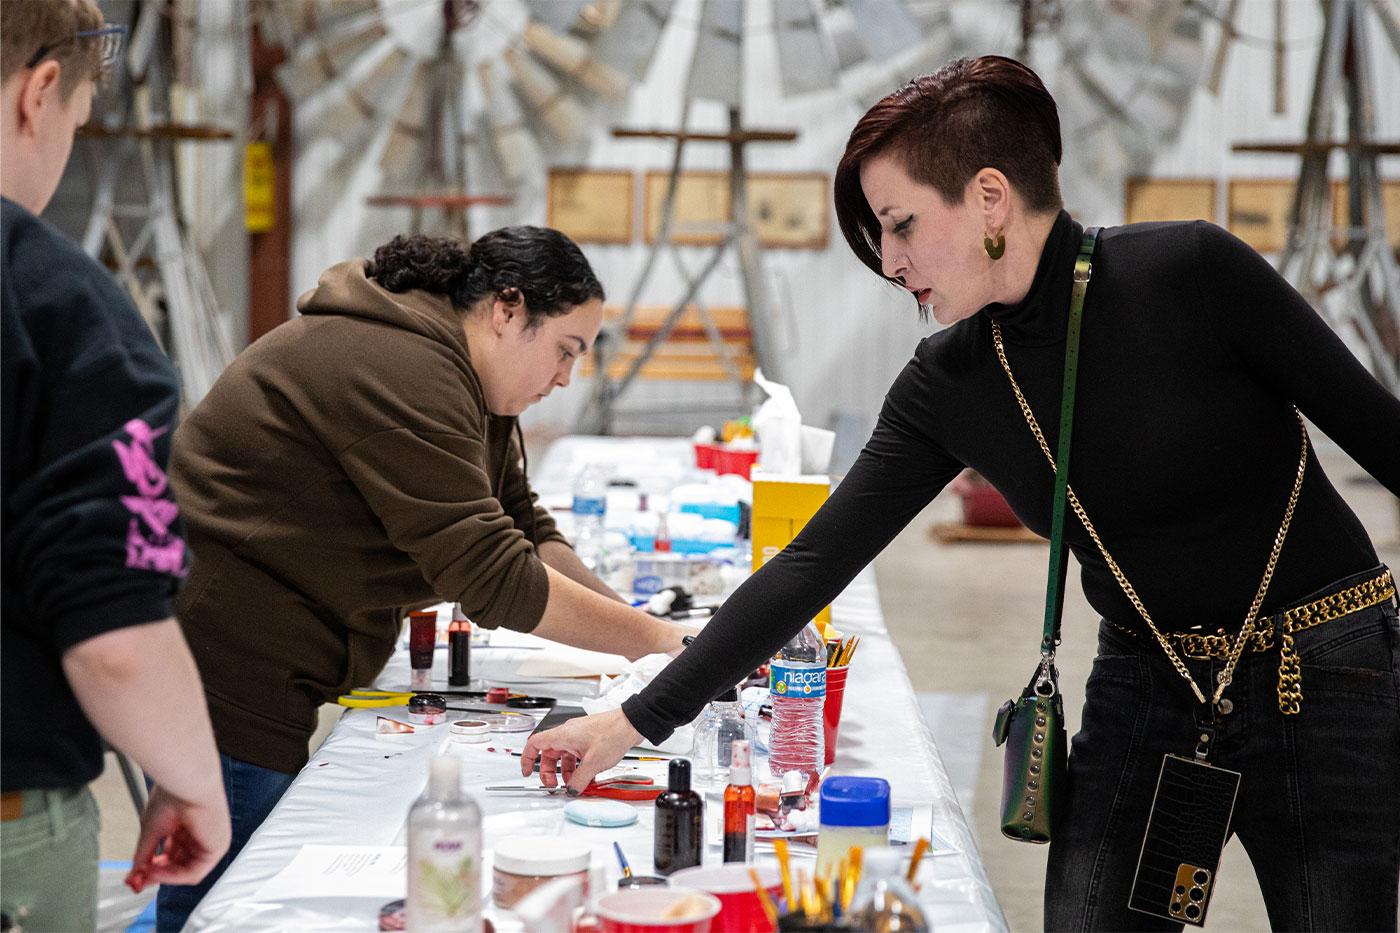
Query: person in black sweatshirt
{"points": [[92, 545], [1194, 356]]}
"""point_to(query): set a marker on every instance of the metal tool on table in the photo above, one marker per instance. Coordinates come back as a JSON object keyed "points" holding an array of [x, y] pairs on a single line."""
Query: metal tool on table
{"points": [[617, 788], [367, 698]]}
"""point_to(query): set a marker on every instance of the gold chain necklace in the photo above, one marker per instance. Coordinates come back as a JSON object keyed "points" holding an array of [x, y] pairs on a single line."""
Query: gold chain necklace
{"points": [[1225, 676]]}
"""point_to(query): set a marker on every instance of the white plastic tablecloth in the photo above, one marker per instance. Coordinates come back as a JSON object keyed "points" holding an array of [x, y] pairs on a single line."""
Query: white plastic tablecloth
{"points": [[357, 788]]}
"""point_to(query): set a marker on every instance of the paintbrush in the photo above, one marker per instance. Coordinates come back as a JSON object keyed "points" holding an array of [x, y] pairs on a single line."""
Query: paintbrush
{"points": [[920, 848]]}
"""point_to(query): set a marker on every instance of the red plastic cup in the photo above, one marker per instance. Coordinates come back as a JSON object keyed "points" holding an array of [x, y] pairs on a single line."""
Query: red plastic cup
{"points": [[740, 908], [705, 455], [831, 708], [643, 910], [738, 462]]}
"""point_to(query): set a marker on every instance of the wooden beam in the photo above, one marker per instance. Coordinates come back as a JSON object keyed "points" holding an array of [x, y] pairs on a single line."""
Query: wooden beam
{"points": [[1305, 148], [270, 253], [742, 136]]}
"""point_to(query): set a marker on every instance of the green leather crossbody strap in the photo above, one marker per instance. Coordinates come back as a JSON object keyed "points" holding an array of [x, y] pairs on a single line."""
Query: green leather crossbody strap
{"points": [[1059, 552]]}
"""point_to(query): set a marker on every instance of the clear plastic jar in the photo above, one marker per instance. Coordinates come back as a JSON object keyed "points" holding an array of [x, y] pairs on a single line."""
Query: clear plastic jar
{"points": [[855, 811]]}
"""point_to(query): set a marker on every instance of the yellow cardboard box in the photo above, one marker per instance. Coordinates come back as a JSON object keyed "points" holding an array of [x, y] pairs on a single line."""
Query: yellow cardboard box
{"points": [[782, 505]]}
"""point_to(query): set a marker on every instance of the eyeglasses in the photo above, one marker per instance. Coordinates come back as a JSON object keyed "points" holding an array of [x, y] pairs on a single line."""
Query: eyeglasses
{"points": [[111, 44]]}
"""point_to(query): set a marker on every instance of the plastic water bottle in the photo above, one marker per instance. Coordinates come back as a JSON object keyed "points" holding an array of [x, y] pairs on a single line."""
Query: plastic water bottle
{"points": [[444, 854], [590, 507], [798, 687], [722, 723]]}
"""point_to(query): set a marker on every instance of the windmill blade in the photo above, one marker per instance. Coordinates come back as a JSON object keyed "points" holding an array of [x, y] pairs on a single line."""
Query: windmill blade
{"points": [[323, 60], [630, 42], [572, 57], [1228, 33], [281, 21], [556, 15], [373, 94], [805, 61], [933, 16], [510, 142], [716, 71], [371, 98], [402, 148], [563, 116], [1390, 22], [850, 49], [885, 26], [596, 17]]}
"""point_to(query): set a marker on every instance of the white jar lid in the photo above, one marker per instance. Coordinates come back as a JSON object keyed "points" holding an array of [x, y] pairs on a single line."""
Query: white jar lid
{"points": [[542, 855], [470, 727]]}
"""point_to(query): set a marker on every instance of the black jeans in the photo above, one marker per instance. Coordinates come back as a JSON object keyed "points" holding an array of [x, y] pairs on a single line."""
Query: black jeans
{"points": [[1318, 809]]}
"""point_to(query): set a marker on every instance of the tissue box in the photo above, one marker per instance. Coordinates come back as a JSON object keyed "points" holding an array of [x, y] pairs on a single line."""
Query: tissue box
{"points": [[782, 505]]}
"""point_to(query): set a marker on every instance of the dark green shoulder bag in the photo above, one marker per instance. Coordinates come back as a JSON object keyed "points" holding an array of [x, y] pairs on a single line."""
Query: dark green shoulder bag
{"points": [[1033, 725]]}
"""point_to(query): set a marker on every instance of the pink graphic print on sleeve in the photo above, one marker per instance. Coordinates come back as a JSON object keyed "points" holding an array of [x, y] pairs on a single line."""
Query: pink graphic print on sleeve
{"points": [[150, 545]]}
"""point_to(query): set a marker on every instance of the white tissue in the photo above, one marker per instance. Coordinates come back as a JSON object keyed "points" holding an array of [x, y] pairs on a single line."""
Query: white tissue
{"points": [[778, 425], [631, 681]]}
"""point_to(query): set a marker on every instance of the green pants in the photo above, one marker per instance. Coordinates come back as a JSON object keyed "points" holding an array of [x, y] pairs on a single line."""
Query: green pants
{"points": [[48, 862]]}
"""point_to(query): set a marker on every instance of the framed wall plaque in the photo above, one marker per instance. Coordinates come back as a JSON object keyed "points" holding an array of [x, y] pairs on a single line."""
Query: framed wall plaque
{"points": [[1258, 211], [1150, 199], [790, 210], [701, 209], [591, 205]]}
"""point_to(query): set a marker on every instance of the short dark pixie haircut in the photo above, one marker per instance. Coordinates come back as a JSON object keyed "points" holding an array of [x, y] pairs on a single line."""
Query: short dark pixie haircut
{"points": [[973, 113]]}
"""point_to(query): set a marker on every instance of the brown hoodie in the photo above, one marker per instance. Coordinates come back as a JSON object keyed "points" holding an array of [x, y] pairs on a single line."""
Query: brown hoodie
{"points": [[343, 470]]}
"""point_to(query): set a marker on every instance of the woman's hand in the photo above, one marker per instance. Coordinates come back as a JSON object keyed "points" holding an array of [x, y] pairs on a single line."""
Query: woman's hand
{"points": [[583, 747]]}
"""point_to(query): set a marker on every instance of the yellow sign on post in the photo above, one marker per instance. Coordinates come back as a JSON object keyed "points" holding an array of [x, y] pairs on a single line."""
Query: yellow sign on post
{"points": [[782, 506], [259, 188]]}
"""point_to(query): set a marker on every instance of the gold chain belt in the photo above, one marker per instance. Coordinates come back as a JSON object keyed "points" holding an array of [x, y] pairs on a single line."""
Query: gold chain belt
{"points": [[1221, 645]]}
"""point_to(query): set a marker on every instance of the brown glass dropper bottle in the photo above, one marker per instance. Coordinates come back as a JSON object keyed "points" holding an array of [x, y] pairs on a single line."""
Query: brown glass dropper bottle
{"points": [[679, 824]]}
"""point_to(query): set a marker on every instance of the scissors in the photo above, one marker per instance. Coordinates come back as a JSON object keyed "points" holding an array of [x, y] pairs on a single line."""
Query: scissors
{"points": [[362, 698], [366, 698], [632, 787]]}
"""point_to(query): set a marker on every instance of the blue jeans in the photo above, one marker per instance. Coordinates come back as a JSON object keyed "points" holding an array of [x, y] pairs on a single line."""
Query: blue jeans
{"points": [[252, 793], [1318, 810]]}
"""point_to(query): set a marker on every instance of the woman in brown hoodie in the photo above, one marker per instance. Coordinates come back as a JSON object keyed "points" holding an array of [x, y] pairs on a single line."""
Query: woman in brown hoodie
{"points": [[361, 460]]}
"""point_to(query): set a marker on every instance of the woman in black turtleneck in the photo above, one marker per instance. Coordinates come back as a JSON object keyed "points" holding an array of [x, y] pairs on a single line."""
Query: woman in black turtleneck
{"points": [[1186, 446]]}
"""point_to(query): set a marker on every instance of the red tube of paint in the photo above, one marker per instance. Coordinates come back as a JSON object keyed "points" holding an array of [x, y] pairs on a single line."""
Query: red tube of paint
{"points": [[422, 635]]}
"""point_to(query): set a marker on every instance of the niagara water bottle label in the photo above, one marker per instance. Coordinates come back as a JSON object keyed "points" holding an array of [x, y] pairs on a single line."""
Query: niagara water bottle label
{"points": [[589, 507], [798, 683]]}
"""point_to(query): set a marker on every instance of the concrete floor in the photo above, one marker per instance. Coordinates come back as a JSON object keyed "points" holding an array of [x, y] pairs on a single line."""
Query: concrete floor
{"points": [[966, 618]]}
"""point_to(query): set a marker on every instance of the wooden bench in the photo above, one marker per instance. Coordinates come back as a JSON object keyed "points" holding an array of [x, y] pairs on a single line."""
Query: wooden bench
{"points": [[687, 353]]}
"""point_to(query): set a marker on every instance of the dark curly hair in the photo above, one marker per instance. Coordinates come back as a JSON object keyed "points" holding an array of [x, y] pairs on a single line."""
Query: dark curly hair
{"points": [[545, 266]]}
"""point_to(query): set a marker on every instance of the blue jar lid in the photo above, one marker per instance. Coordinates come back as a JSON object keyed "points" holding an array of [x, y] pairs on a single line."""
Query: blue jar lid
{"points": [[855, 801]]}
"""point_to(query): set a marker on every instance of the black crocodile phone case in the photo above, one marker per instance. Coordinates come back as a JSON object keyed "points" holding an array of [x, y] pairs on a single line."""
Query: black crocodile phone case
{"points": [[1186, 832]]}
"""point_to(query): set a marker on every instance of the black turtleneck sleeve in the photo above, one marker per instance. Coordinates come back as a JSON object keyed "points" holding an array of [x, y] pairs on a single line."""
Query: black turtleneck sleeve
{"points": [[895, 476], [1194, 352]]}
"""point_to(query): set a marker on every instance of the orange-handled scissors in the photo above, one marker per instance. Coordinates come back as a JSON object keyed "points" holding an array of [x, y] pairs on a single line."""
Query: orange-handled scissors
{"points": [[618, 788]]}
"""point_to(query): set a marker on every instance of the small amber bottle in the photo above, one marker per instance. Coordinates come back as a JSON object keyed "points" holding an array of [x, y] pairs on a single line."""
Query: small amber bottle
{"points": [[739, 800], [679, 824]]}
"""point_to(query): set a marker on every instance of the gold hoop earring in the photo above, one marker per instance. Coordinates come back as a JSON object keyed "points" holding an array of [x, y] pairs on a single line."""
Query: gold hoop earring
{"points": [[994, 250]]}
